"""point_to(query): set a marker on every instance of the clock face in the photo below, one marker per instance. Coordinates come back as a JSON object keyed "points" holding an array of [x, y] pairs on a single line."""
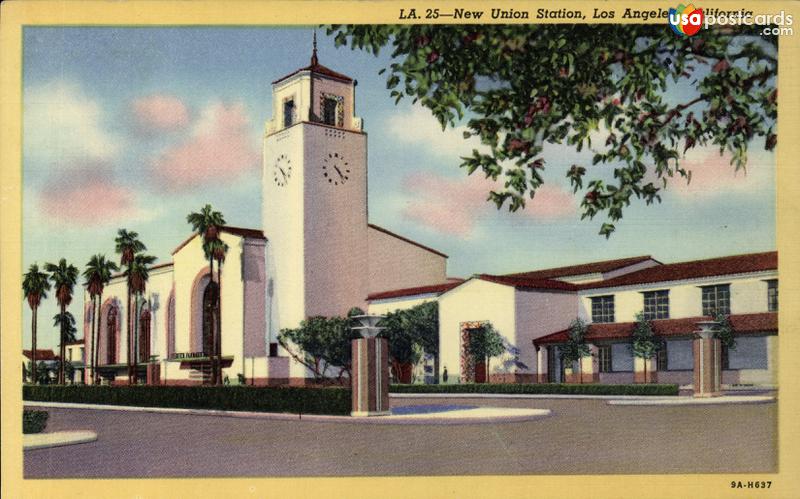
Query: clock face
{"points": [[282, 170], [335, 169]]}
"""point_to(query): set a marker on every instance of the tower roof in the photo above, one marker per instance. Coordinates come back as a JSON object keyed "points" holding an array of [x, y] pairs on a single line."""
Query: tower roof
{"points": [[316, 67]]}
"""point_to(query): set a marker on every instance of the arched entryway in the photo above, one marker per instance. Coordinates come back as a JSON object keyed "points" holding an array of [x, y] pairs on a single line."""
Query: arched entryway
{"points": [[210, 298], [144, 335], [111, 336]]}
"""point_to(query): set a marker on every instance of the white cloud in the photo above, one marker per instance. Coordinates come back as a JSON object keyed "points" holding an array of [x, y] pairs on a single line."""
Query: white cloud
{"points": [[65, 126], [418, 126]]}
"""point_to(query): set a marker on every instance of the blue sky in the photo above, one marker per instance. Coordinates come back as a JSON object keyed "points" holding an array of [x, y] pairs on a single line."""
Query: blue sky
{"points": [[116, 117]]}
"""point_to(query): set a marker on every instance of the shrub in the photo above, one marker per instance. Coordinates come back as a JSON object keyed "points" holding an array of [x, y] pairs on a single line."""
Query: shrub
{"points": [[34, 421], [229, 398], [540, 388]]}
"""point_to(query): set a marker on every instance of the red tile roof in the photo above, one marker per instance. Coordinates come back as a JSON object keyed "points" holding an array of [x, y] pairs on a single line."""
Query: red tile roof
{"points": [[237, 231], [318, 69], [420, 290], [528, 283], [737, 264], [388, 232], [581, 269], [41, 354], [153, 267], [742, 324]]}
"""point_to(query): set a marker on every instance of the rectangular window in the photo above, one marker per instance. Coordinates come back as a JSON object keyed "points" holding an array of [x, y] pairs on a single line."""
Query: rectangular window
{"points": [[329, 106], [604, 358], [717, 299], [288, 113], [661, 358], [603, 308], [656, 305], [772, 295]]}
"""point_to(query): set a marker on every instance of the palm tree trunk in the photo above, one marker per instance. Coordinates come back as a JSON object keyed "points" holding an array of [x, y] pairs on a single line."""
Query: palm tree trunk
{"points": [[128, 360], [34, 379], [212, 357], [96, 342], [62, 350], [94, 319], [135, 338], [218, 336]]}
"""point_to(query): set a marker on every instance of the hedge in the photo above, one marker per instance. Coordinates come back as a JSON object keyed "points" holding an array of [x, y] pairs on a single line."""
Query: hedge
{"points": [[541, 388], [34, 421], [295, 400]]}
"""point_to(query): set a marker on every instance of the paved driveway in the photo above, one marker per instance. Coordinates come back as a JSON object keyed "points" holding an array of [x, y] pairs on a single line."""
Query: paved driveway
{"points": [[582, 436]]}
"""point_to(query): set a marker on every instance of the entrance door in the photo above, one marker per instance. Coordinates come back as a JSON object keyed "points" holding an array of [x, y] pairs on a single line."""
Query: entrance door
{"points": [[480, 371]]}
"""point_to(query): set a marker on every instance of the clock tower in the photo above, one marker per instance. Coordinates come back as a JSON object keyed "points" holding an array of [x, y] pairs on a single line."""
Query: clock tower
{"points": [[314, 184]]}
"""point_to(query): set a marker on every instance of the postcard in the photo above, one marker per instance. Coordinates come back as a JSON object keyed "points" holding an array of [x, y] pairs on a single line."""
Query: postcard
{"points": [[443, 249]]}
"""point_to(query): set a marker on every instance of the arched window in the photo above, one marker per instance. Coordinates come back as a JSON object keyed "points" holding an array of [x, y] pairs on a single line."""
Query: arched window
{"points": [[111, 336], [209, 296], [144, 336]]}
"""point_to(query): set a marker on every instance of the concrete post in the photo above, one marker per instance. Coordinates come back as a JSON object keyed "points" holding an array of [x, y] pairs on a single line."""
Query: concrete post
{"points": [[707, 361], [541, 364], [590, 369], [642, 375], [370, 377]]}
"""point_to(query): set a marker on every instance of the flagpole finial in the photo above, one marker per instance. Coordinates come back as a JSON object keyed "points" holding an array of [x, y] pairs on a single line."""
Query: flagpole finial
{"points": [[314, 60]]}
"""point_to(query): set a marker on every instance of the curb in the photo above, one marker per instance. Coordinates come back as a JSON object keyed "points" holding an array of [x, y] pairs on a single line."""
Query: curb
{"points": [[531, 396], [33, 441], [730, 400], [512, 415]]}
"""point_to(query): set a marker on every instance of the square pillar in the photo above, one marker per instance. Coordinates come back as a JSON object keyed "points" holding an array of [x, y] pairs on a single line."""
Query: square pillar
{"points": [[541, 364], [370, 378], [590, 369], [642, 375], [707, 352]]}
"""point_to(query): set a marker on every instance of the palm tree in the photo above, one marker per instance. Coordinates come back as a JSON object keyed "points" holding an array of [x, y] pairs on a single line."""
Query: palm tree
{"points": [[138, 273], [207, 224], [127, 246], [96, 276], [218, 249], [35, 287], [63, 276]]}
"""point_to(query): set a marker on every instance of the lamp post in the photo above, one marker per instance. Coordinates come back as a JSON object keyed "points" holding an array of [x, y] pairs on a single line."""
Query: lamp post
{"points": [[370, 378], [707, 352]]}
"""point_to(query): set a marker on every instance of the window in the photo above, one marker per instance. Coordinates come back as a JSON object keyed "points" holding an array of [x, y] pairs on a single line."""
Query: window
{"points": [[329, 107], [288, 113], [772, 295], [604, 358], [717, 299], [656, 305], [661, 358], [603, 308]]}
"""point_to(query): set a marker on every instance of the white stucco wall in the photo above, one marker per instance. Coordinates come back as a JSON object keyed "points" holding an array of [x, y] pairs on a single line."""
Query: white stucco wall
{"points": [[539, 313], [381, 307], [475, 300], [748, 295], [398, 264]]}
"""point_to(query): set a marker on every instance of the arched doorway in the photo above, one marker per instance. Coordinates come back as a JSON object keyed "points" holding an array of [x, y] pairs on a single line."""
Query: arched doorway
{"points": [[144, 335], [209, 316], [111, 336]]}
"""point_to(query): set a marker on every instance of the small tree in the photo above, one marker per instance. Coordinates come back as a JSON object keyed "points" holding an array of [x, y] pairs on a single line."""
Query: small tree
{"points": [[575, 348], [486, 343], [422, 323], [725, 331], [402, 343], [644, 343]]}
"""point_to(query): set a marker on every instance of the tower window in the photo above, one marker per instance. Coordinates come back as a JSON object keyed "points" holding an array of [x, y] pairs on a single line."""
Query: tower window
{"points": [[329, 106], [288, 113]]}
